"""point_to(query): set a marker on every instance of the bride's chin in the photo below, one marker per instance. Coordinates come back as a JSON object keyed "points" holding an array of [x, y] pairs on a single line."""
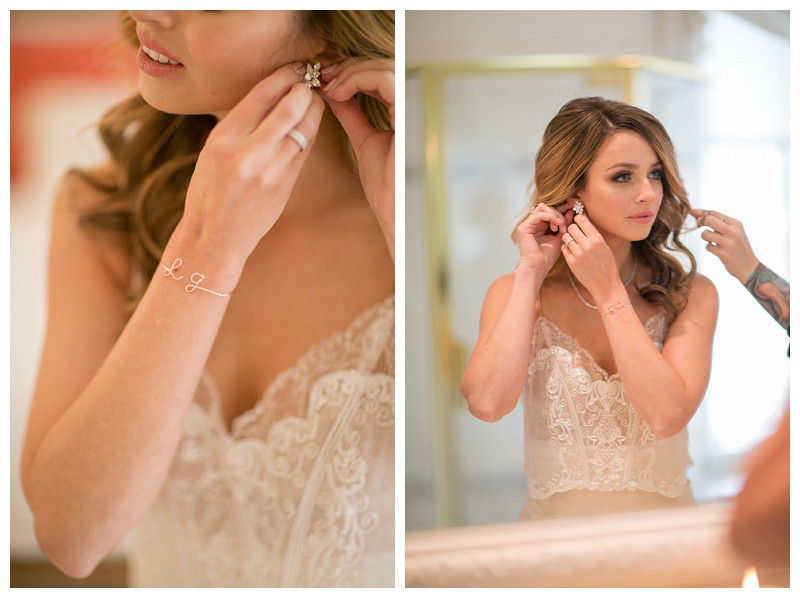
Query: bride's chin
{"points": [[175, 104], [160, 102]]}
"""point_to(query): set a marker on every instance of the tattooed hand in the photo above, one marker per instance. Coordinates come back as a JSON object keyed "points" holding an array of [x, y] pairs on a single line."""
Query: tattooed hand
{"points": [[727, 240]]}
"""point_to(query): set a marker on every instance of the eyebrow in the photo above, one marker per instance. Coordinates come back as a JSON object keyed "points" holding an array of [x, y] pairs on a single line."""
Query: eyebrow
{"points": [[630, 166]]}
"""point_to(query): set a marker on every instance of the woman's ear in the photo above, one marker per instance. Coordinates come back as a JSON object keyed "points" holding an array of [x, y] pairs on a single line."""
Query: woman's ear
{"points": [[572, 200]]}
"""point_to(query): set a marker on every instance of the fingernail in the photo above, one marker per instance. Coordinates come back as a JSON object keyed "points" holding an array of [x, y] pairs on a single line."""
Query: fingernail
{"points": [[299, 67], [331, 84], [330, 68]]}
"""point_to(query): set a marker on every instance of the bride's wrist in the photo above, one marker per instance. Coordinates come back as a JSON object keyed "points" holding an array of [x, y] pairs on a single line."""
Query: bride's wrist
{"points": [[199, 251], [612, 294], [529, 277]]}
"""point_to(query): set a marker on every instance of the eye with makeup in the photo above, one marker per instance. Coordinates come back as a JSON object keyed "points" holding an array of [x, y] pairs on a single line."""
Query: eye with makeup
{"points": [[627, 176], [622, 177]]}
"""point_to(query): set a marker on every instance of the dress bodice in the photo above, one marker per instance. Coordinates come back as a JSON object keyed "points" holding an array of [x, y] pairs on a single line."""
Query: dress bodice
{"points": [[581, 431], [300, 492]]}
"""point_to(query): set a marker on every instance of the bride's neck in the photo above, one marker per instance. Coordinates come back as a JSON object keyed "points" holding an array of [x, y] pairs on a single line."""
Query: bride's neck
{"points": [[327, 175]]}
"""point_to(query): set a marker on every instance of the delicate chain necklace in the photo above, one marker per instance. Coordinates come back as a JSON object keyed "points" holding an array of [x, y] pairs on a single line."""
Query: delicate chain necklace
{"points": [[585, 302]]}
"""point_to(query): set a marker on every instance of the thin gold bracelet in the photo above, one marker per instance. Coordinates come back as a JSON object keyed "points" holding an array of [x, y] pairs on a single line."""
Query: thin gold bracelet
{"points": [[196, 279]]}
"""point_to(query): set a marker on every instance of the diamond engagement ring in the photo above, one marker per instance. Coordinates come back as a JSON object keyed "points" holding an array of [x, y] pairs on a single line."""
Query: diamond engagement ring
{"points": [[299, 138]]}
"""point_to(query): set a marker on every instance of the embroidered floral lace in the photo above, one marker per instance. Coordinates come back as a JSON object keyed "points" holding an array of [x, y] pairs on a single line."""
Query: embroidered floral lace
{"points": [[300, 493], [581, 432]]}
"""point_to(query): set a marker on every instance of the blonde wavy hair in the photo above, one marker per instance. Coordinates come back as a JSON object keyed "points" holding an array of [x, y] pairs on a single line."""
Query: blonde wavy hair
{"points": [[570, 144], [153, 154]]}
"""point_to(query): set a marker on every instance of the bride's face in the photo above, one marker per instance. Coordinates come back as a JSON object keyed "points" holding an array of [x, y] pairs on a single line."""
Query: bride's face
{"points": [[211, 59], [624, 189]]}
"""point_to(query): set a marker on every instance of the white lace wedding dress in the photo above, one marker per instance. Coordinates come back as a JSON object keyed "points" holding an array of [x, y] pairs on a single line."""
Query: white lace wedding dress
{"points": [[300, 493], [587, 450]]}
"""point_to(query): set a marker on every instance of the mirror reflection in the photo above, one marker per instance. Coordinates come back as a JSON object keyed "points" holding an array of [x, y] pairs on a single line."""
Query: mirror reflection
{"points": [[474, 125]]}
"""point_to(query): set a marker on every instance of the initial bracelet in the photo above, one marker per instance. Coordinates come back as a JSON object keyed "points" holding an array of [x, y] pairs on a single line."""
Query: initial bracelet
{"points": [[612, 309], [196, 279]]}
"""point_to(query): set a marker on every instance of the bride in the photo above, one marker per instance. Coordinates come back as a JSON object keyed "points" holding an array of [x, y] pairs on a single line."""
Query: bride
{"points": [[218, 368], [602, 332]]}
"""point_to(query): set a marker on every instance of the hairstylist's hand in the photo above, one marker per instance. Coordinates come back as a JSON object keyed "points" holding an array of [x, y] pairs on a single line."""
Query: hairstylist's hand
{"points": [[727, 240], [248, 166], [374, 149], [590, 257], [540, 236]]}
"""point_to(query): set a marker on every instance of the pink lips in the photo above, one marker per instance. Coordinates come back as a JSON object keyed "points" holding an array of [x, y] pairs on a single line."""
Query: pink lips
{"points": [[642, 217], [153, 67], [154, 46]]}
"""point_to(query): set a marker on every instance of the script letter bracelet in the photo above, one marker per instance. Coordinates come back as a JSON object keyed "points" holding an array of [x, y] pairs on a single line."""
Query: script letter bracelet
{"points": [[196, 279], [612, 309]]}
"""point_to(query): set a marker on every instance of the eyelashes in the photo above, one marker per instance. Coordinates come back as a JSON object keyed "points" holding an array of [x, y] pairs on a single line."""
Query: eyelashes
{"points": [[625, 177]]}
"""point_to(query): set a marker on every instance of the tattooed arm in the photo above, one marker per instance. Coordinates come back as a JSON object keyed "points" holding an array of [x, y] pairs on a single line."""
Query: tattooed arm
{"points": [[771, 291], [727, 240]]}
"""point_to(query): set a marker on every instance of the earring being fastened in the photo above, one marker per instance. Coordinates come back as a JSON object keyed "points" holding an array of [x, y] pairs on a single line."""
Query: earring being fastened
{"points": [[578, 208], [311, 78]]}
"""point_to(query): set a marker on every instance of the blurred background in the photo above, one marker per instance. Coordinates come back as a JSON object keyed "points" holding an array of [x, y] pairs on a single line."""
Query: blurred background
{"points": [[67, 68], [480, 88]]}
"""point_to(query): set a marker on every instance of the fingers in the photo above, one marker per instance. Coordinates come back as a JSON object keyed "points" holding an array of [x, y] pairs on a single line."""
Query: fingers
{"points": [[581, 236], [344, 80], [712, 218], [712, 236], [582, 228], [373, 77], [291, 112], [289, 150], [542, 213], [355, 124], [247, 115]]}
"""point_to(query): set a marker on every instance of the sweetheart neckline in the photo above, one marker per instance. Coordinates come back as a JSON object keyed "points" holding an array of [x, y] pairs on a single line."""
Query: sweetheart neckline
{"points": [[236, 424], [580, 348]]}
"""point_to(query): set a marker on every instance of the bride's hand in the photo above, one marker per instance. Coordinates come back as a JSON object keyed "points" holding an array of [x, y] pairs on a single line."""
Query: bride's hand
{"points": [[589, 256], [248, 166], [374, 149], [540, 237]]}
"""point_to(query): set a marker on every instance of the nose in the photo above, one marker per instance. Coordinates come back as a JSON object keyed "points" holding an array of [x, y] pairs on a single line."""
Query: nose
{"points": [[163, 18], [650, 190]]}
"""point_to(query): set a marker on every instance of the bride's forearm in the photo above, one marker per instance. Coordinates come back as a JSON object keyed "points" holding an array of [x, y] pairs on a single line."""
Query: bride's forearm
{"points": [[495, 374], [664, 398], [98, 468]]}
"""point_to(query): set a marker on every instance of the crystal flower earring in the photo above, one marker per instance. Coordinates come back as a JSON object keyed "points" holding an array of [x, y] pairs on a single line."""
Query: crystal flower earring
{"points": [[311, 78], [578, 208]]}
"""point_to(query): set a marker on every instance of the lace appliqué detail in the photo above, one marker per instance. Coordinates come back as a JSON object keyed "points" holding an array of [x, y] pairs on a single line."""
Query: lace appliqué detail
{"points": [[287, 499], [586, 433]]}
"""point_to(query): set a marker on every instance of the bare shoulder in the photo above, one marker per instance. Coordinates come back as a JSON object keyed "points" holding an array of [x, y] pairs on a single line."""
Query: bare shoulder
{"points": [[703, 292], [702, 306], [502, 284], [75, 197], [500, 289], [496, 298]]}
